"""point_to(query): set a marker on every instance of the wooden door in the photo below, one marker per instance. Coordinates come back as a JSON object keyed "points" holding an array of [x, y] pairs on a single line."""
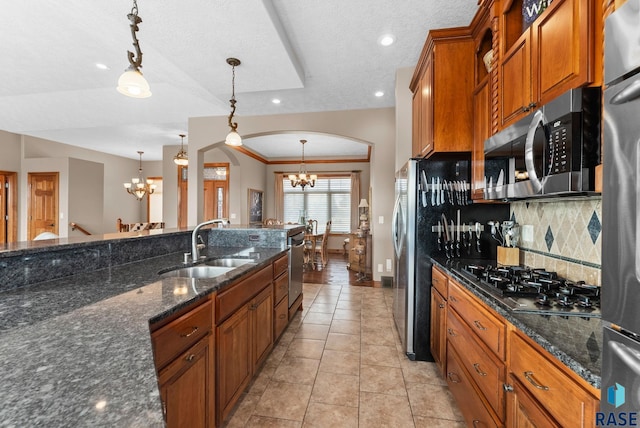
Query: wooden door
{"points": [[42, 203], [438, 336], [187, 387], [215, 199], [562, 44], [234, 368], [523, 411], [261, 308], [8, 207], [182, 196]]}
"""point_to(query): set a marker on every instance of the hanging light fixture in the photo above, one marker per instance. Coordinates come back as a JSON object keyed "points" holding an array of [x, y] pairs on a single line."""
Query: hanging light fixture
{"points": [[181, 158], [233, 138], [139, 186], [132, 83], [303, 179]]}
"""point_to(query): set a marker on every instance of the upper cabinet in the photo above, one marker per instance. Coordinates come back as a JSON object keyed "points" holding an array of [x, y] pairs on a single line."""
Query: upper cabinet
{"points": [[442, 87], [557, 52]]}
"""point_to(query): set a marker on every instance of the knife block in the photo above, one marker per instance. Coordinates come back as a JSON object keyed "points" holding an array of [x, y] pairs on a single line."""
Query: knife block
{"points": [[508, 256]]}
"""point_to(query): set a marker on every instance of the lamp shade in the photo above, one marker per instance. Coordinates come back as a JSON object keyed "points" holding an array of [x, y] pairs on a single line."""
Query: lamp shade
{"points": [[363, 204], [133, 84], [233, 139]]}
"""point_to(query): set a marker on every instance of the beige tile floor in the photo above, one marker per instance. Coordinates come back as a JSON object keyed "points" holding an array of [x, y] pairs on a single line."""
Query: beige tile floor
{"points": [[340, 364]]}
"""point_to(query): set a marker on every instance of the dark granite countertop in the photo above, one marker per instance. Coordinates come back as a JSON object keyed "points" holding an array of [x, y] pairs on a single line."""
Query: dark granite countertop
{"points": [[76, 351], [576, 342]]}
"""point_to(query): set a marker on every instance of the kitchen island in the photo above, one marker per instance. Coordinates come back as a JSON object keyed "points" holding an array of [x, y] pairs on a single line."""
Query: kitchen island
{"points": [[76, 351]]}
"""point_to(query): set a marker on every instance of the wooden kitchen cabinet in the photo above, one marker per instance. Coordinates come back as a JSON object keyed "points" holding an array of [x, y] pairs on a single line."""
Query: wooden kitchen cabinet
{"points": [[280, 296], [244, 335], [481, 131], [187, 387], [183, 348], [556, 53], [442, 85], [438, 326], [523, 411], [565, 398]]}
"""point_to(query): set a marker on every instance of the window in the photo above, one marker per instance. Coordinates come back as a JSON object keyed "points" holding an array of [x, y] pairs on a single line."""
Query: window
{"points": [[330, 199]]}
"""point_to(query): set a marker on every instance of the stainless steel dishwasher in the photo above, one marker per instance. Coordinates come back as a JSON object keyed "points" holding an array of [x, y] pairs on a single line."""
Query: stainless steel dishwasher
{"points": [[296, 261]]}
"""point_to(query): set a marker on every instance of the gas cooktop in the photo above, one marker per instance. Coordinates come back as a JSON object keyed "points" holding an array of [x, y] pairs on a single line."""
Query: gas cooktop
{"points": [[536, 290]]}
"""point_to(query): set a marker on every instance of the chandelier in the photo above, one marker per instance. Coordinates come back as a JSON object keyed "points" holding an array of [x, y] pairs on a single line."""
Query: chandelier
{"points": [[303, 179], [139, 186], [233, 138], [132, 83], [181, 158]]}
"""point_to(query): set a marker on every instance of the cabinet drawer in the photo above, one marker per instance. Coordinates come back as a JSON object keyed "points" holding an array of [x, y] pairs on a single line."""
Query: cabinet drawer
{"points": [[175, 337], [471, 405], [280, 266], [483, 367], [280, 317], [568, 402], [280, 287], [490, 329], [241, 292], [439, 281]]}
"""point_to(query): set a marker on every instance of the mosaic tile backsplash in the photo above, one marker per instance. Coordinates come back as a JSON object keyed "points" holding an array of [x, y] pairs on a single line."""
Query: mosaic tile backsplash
{"points": [[567, 236]]}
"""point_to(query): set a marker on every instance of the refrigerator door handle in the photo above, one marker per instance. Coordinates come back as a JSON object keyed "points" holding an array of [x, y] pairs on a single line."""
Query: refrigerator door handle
{"points": [[398, 240], [629, 356]]}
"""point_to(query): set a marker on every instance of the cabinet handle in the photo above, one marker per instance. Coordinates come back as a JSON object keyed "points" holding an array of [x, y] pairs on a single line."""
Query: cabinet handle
{"points": [[451, 332], [478, 325], [507, 387], [528, 376], [477, 423], [441, 305], [453, 299], [282, 316], [532, 106], [194, 329], [189, 357], [525, 109], [253, 307], [451, 376], [476, 366]]}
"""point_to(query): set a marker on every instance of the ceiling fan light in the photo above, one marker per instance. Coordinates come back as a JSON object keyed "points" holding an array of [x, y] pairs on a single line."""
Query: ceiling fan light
{"points": [[133, 84], [233, 139]]}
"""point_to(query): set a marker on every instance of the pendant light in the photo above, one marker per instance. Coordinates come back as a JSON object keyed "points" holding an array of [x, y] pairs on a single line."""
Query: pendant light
{"points": [[233, 138], [303, 179], [132, 83], [139, 186], [181, 158]]}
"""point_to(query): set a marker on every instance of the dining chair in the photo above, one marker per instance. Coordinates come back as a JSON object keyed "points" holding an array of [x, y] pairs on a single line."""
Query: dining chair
{"points": [[321, 247]]}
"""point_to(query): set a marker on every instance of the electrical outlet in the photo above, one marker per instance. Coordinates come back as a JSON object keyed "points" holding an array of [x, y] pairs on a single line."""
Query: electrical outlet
{"points": [[527, 233], [379, 267], [233, 216], [381, 219]]}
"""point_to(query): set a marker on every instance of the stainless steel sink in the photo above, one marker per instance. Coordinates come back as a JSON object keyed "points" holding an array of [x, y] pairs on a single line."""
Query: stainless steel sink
{"points": [[200, 271], [228, 262]]}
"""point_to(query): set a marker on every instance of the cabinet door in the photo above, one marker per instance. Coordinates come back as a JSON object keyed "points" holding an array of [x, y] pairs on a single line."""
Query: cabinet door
{"points": [[234, 368], [523, 411], [438, 329], [261, 313], [515, 81], [562, 47], [427, 109], [187, 387], [416, 125], [481, 131]]}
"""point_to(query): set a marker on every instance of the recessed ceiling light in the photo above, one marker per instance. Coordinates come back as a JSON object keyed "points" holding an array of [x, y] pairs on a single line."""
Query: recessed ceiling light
{"points": [[379, 94], [386, 40], [101, 66], [275, 101]]}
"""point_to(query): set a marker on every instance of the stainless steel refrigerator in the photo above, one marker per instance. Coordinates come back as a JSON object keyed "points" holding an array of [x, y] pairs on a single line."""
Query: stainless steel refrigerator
{"points": [[620, 390], [416, 212]]}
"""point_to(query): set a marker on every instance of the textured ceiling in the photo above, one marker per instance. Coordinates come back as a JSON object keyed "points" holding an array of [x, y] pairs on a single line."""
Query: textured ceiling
{"points": [[313, 55]]}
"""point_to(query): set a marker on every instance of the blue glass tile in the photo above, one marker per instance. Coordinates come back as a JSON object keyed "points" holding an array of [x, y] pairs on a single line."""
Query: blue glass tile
{"points": [[548, 238], [594, 227]]}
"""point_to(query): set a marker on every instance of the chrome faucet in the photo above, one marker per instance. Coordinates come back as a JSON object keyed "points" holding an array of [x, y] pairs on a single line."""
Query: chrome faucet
{"points": [[195, 247]]}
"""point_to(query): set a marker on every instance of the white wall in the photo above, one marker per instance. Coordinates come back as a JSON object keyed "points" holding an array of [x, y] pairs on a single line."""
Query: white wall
{"points": [[86, 196], [374, 126], [11, 149], [404, 116]]}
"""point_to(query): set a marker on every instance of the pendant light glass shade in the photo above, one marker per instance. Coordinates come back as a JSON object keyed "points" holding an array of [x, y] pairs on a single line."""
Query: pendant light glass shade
{"points": [[133, 84], [233, 139], [181, 158]]}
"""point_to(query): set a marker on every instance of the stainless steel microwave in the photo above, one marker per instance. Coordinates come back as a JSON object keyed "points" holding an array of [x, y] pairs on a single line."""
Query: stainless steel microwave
{"points": [[551, 152]]}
